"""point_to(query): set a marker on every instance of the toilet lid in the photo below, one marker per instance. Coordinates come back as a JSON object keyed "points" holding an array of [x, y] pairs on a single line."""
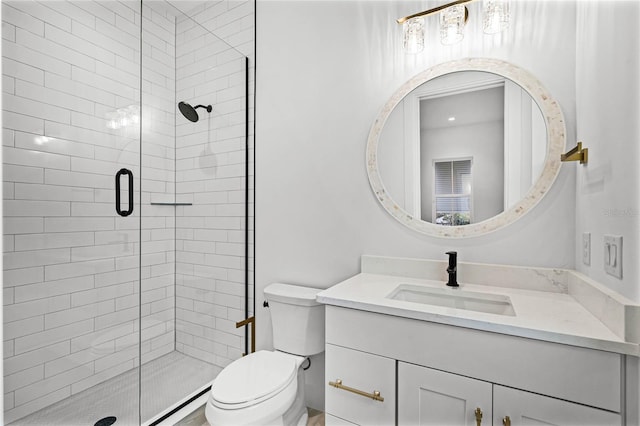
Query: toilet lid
{"points": [[254, 377]]}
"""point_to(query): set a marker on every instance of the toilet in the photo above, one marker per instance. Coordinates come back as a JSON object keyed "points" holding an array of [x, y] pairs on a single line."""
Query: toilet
{"points": [[267, 387]]}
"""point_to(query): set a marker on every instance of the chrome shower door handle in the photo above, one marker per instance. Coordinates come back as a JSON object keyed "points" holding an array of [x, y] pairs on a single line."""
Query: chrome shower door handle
{"points": [[129, 174]]}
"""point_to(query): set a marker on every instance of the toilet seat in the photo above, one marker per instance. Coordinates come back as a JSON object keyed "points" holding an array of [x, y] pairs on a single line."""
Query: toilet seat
{"points": [[255, 378]]}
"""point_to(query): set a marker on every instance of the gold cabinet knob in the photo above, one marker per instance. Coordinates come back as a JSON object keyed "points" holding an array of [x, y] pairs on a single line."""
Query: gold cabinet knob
{"points": [[478, 416]]}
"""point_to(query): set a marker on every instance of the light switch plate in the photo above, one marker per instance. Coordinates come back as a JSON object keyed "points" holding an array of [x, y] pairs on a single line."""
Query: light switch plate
{"points": [[613, 255], [586, 248]]}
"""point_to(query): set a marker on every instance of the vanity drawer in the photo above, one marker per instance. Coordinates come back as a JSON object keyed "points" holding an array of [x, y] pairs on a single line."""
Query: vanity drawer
{"points": [[360, 373]]}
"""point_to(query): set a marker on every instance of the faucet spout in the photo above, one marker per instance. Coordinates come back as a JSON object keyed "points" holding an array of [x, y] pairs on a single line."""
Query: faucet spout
{"points": [[452, 270]]}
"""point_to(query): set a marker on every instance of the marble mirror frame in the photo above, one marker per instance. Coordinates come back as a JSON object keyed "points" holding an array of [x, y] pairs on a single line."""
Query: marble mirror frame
{"points": [[556, 140]]}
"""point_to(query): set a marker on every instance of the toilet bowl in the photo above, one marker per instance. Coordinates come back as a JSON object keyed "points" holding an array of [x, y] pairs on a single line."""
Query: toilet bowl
{"points": [[260, 389], [267, 387]]}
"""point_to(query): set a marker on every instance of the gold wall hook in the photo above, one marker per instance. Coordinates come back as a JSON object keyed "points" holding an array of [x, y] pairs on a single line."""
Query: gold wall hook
{"points": [[577, 154]]}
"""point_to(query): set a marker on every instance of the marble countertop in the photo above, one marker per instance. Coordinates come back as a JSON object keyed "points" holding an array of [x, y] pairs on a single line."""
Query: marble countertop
{"points": [[553, 316]]}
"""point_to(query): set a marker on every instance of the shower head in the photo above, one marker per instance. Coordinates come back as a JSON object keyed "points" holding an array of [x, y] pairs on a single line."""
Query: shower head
{"points": [[190, 113]]}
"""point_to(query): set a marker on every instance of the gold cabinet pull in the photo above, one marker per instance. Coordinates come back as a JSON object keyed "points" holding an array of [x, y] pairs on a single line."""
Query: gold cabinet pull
{"points": [[506, 421], [478, 416], [375, 395]]}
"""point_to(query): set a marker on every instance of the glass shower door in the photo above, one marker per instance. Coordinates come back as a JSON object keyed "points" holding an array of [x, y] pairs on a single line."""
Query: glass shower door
{"points": [[125, 217], [71, 176]]}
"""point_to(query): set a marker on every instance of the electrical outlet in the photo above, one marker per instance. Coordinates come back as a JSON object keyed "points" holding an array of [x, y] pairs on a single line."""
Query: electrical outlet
{"points": [[613, 255], [586, 248]]}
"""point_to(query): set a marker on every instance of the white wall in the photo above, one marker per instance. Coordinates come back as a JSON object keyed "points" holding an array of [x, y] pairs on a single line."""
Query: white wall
{"points": [[324, 71], [607, 109]]}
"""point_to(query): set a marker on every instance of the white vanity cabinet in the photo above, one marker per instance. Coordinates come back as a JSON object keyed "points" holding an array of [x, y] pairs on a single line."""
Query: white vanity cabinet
{"points": [[432, 397], [443, 373]]}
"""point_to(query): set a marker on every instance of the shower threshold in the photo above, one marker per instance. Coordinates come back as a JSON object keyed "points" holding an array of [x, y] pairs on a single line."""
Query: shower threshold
{"points": [[165, 381]]}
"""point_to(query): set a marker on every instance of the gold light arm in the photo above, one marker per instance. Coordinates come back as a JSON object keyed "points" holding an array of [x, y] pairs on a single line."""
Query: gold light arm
{"points": [[478, 413], [252, 322], [577, 154], [436, 10], [375, 395]]}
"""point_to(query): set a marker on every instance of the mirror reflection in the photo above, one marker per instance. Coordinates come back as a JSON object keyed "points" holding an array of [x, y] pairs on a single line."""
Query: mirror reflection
{"points": [[462, 148]]}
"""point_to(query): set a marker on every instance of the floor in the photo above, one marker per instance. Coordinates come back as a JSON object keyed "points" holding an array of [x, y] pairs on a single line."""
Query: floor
{"points": [[165, 381], [316, 418], [197, 418]]}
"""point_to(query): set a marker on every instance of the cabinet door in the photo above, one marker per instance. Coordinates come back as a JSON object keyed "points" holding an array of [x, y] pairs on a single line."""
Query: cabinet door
{"points": [[525, 408], [433, 397]]}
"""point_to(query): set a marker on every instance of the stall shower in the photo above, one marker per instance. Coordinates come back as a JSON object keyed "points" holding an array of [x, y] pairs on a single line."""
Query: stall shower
{"points": [[126, 222]]}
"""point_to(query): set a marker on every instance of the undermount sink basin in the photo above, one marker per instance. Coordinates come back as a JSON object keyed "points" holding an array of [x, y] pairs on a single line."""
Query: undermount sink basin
{"points": [[454, 298]]}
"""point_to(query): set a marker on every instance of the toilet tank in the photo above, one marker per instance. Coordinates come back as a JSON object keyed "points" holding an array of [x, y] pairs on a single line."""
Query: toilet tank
{"points": [[297, 319]]}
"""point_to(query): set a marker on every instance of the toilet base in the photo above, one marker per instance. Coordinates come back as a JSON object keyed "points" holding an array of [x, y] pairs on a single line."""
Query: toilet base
{"points": [[297, 415]]}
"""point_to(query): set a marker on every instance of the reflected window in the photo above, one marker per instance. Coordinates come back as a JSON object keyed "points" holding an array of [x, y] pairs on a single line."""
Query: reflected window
{"points": [[453, 192]]}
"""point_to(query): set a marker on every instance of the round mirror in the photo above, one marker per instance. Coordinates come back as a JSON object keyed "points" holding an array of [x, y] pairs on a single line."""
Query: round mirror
{"points": [[465, 148]]}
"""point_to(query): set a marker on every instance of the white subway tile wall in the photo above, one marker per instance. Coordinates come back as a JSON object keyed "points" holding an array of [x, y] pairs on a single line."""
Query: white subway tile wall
{"points": [[71, 95]]}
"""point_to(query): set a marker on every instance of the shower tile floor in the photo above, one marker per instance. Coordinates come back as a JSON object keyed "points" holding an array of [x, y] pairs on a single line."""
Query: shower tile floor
{"points": [[165, 381]]}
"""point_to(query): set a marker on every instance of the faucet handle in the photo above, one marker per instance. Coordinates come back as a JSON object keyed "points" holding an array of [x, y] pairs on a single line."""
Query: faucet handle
{"points": [[453, 258], [452, 270]]}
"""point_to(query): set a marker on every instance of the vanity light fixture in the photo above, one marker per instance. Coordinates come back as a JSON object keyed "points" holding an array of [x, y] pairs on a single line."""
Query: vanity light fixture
{"points": [[453, 17], [413, 30], [452, 21]]}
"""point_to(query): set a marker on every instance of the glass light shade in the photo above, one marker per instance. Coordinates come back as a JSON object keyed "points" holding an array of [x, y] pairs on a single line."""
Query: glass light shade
{"points": [[413, 35], [495, 16], [452, 24]]}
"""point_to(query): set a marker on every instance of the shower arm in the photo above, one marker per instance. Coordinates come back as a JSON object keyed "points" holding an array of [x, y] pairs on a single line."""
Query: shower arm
{"points": [[207, 107]]}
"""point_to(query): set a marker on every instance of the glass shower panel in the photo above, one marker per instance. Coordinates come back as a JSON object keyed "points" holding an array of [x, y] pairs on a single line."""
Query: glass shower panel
{"points": [[125, 221], [71, 136], [194, 283]]}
